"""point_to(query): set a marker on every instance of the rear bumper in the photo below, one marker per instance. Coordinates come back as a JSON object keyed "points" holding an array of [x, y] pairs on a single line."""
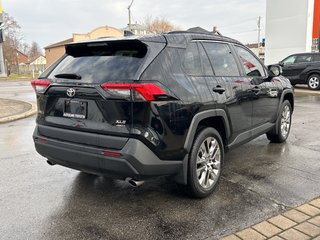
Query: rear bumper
{"points": [[136, 160]]}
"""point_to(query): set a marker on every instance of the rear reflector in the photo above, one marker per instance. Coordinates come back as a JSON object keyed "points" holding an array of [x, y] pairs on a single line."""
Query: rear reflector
{"points": [[40, 85], [113, 154], [141, 91], [40, 140]]}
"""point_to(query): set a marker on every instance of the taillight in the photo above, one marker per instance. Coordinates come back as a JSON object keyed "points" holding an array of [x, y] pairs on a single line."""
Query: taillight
{"points": [[40, 85], [138, 91]]}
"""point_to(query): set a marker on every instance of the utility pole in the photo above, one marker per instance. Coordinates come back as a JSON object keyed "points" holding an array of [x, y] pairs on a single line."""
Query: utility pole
{"points": [[259, 33], [129, 12], [259, 30]]}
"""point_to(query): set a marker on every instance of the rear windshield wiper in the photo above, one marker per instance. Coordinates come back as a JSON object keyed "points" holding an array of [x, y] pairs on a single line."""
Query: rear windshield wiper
{"points": [[68, 76]]}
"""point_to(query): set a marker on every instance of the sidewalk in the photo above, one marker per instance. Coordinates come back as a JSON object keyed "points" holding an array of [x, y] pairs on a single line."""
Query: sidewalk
{"points": [[11, 110], [302, 222]]}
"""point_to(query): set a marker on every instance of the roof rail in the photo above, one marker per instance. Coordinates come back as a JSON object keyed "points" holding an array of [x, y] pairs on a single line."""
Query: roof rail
{"points": [[193, 32]]}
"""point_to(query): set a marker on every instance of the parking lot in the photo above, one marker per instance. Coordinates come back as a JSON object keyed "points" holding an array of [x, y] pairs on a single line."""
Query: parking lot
{"points": [[260, 179]]}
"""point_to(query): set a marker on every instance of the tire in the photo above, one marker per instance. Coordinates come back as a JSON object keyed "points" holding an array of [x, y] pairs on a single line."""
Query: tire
{"points": [[283, 124], [314, 82], [205, 163]]}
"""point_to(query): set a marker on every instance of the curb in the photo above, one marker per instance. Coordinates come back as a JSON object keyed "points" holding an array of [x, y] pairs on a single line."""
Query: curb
{"points": [[301, 90], [26, 114]]}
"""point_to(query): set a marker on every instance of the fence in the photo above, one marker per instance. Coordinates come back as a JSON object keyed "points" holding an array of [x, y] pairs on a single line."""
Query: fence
{"points": [[26, 69]]}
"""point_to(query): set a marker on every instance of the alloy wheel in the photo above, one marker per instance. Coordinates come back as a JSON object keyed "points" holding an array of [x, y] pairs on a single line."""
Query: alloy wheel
{"points": [[208, 163], [314, 82], [285, 121]]}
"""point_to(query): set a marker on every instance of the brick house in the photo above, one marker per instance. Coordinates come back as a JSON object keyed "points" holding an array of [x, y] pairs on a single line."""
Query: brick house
{"points": [[56, 50]]}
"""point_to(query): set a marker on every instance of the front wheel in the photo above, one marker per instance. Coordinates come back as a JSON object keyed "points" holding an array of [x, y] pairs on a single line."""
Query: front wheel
{"points": [[283, 124], [314, 82], [205, 163]]}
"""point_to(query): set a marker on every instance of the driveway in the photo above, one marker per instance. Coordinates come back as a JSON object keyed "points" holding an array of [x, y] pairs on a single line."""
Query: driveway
{"points": [[38, 201]]}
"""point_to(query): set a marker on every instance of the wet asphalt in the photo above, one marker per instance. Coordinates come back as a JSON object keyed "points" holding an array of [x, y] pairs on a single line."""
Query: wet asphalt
{"points": [[38, 201]]}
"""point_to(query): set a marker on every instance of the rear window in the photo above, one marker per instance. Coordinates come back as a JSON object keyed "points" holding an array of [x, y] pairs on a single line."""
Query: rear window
{"points": [[101, 62], [316, 57]]}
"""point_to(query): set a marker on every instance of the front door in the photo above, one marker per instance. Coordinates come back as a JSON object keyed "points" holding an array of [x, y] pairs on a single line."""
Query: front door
{"points": [[263, 94]]}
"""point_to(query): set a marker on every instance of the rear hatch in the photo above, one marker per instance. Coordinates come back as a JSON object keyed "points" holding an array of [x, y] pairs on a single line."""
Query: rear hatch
{"points": [[91, 88]]}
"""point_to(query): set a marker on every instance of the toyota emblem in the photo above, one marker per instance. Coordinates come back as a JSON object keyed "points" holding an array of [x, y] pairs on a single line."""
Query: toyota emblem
{"points": [[71, 92]]}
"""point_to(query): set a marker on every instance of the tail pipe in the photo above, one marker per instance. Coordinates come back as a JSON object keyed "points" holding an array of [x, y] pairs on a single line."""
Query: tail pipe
{"points": [[50, 163], [134, 183]]}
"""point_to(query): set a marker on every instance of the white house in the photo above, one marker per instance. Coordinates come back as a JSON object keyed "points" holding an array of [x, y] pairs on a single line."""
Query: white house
{"points": [[40, 60]]}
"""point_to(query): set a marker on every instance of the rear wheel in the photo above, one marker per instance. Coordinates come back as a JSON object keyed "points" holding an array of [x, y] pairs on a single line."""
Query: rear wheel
{"points": [[283, 124], [314, 82], [205, 163]]}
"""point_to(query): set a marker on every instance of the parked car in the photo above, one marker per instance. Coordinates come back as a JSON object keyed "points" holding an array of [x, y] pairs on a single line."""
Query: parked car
{"points": [[165, 105], [303, 68]]}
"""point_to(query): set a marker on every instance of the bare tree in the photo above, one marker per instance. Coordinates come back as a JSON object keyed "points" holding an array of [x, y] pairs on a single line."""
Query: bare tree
{"points": [[13, 38], [34, 51], [25, 48], [158, 25]]}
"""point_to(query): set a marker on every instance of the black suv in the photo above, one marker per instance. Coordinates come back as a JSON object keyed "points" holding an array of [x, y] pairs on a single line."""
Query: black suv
{"points": [[303, 68], [165, 105]]}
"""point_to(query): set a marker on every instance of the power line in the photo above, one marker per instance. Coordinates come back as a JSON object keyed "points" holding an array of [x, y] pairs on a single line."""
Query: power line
{"points": [[241, 32], [238, 23]]}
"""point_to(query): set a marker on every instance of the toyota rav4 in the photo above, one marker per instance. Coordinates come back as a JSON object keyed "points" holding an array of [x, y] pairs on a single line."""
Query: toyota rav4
{"points": [[163, 105]]}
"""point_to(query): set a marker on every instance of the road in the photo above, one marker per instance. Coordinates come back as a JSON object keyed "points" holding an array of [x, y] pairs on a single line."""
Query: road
{"points": [[20, 90], [38, 201]]}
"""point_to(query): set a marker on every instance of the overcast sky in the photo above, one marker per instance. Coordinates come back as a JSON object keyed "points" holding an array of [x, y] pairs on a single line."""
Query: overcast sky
{"points": [[50, 21]]}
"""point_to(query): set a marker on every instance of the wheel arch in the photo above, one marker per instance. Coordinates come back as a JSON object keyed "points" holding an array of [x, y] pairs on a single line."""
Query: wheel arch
{"points": [[211, 118], [216, 118], [309, 73], [317, 72], [289, 96]]}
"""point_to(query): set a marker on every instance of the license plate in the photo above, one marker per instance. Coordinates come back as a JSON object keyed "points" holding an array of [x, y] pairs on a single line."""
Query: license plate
{"points": [[75, 109]]}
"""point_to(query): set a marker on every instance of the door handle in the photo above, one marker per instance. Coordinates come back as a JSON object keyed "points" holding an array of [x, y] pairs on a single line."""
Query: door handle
{"points": [[218, 89]]}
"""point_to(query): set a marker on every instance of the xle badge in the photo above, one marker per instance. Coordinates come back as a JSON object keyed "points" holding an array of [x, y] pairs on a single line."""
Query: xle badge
{"points": [[120, 122]]}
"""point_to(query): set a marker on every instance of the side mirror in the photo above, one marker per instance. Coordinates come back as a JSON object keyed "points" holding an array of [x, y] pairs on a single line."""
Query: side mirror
{"points": [[281, 64], [274, 71]]}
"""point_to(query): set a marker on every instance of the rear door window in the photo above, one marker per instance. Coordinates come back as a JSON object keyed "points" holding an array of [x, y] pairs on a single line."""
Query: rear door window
{"points": [[222, 60], [195, 61], [102, 61], [206, 65], [191, 60], [303, 58]]}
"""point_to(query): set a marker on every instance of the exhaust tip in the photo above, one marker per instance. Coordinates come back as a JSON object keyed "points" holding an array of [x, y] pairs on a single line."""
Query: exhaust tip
{"points": [[51, 163], [135, 183]]}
